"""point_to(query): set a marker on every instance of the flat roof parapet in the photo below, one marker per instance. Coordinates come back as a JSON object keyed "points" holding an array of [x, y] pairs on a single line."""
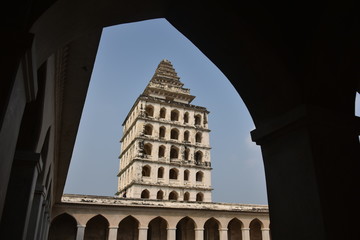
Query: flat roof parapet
{"points": [[128, 202]]}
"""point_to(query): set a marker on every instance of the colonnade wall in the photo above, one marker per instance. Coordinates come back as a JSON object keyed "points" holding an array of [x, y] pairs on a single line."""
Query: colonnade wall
{"points": [[127, 219]]}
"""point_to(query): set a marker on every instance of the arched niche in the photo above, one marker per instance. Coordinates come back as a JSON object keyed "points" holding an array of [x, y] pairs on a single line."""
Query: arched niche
{"points": [[211, 229], [63, 227], [234, 229], [97, 228], [128, 229], [157, 229], [185, 229]]}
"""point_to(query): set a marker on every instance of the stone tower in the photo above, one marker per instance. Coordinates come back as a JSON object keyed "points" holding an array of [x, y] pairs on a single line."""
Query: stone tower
{"points": [[165, 150]]}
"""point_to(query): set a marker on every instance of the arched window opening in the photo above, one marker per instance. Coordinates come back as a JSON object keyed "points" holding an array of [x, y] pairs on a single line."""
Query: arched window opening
{"points": [[148, 149], [198, 119], [185, 229], [186, 154], [174, 134], [146, 170], [128, 229], [145, 194], [157, 229], [211, 229], [186, 196], [198, 156], [173, 173], [199, 197], [148, 129], [63, 227], [186, 175], [174, 152], [160, 195], [186, 117], [234, 229], [149, 111], [161, 153], [199, 176], [162, 132], [97, 228], [161, 172], [162, 112], [174, 115], [173, 195], [186, 136], [255, 230], [198, 137]]}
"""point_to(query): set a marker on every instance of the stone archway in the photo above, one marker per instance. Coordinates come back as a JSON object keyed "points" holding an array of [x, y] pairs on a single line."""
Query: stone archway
{"points": [[255, 230], [97, 228], [63, 227], [185, 229], [211, 229], [128, 229], [157, 229], [234, 229], [255, 47]]}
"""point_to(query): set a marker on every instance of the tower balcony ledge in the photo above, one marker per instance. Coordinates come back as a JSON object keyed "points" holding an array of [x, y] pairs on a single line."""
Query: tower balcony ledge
{"points": [[162, 159], [175, 160], [206, 164]]}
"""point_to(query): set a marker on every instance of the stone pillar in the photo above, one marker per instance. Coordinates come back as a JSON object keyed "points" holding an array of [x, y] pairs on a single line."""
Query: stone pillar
{"points": [[199, 234], [46, 228], [171, 233], [36, 217], [311, 160], [13, 89], [45, 223], [80, 232], [19, 198], [265, 233], [143, 233], [113, 232], [245, 232], [223, 233]]}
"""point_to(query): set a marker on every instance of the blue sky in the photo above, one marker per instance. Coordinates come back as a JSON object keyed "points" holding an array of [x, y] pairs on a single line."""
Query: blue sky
{"points": [[127, 58]]}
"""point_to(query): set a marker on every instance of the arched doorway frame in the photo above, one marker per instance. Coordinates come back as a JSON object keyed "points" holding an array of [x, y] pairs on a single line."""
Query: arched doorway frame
{"points": [[51, 44]]}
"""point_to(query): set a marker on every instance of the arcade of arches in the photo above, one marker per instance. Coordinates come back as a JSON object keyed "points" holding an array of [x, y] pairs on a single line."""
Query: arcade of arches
{"points": [[106, 218]]}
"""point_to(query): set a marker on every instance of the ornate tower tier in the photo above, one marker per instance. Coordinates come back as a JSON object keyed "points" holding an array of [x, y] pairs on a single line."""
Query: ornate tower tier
{"points": [[165, 150]]}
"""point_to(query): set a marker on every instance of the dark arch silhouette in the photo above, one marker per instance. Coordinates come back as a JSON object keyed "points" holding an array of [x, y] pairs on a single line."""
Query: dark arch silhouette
{"points": [[128, 229], [284, 80], [185, 229], [145, 194], [255, 229], [63, 227], [211, 229], [157, 229], [97, 228], [234, 229]]}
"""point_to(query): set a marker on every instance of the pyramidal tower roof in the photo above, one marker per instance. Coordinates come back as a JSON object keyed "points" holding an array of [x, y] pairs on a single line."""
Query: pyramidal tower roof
{"points": [[166, 84], [165, 72]]}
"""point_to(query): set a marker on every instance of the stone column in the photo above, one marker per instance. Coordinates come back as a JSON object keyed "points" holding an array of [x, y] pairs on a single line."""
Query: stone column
{"points": [[113, 232], [199, 234], [45, 224], [245, 232], [80, 232], [20, 193], [143, 233], [171, 233], [311, 160], [223, 233], [37, 218], [265, 233], [10, 122]]}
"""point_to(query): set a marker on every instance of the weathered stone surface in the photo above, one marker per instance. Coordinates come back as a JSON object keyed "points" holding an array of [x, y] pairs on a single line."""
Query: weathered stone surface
{"points": [[165, 144]]}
